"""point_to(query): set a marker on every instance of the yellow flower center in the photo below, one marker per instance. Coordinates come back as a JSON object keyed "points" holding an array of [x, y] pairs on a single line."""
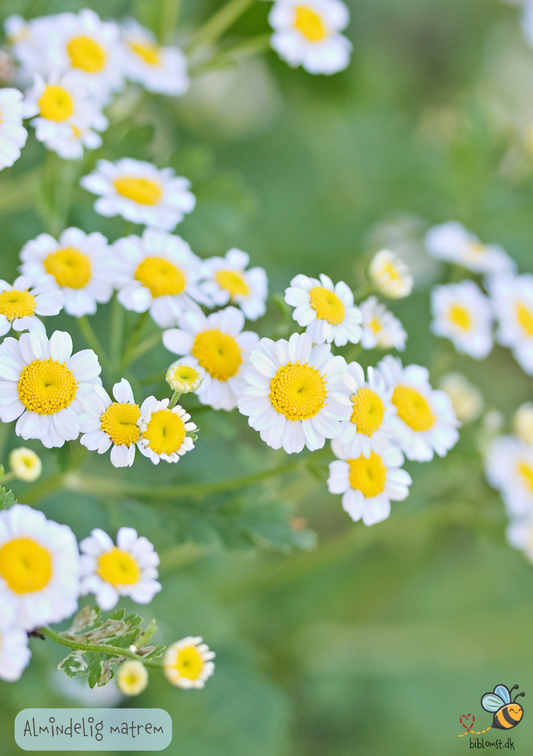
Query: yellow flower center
{"points": [[186, 374], [160, 276], [149, 53], [165, 432], [477, 248], [232, 282], [46, 386], [69, 267], [327, 305], [375, 325], [86, 54], [25, 565], [391, 272], [526, 471], [298, 391], [218, 353], [189, 662], [368, 411], [461, 317], [413, 408], [368, 475], [525, 318], [309, 24], [55, 103], [17, 304], [140, 190], [119, 421], [118, 567]]}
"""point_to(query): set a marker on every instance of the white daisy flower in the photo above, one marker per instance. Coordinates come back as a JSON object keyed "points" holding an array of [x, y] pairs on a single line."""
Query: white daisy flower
{"points": [[512, 299], [308, 34], [390, 275], [44, 385], [21, 303], [188, 663], [326, 309], [26, 40], [15, 654], [106, 424], [183, 378], [369, 428], [164, 431], [509, 469], [158, 69], [25, 464], [463, 314], [291, 393], [218, 348], [424, 422], [13, 135], [79, 265], [65, 116], [523, 422], [160, 273], [520, 535], [380, 327], [228, 281], [453, 243], [467, 399], [39, 568], [368, 484], [127, 569], [132, 678]]}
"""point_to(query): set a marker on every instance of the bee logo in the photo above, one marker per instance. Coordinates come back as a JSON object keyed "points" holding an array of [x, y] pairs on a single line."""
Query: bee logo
{"points": [[507, 713]]}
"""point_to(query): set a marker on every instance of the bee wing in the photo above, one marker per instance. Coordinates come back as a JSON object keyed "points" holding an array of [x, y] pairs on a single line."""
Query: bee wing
{"points": [[492, 702], [503, 692]]}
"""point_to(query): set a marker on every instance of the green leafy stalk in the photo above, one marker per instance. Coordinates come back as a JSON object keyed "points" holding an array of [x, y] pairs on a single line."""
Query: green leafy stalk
{"points": [[233, 55], [92, 340], [213, 29]]}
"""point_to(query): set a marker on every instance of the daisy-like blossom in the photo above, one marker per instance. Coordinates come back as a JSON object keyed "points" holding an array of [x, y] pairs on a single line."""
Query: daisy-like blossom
{"points": [[390, 275], [326, 309], [183, 378], [164, 431], [307, 34], [26, 40], [132, 678], [158, 69], [39, 569], [463, 314], [424, 422], [368, 484], [523, 422], [13, 135], [140, 193], [226, 280], [188, 663], [106, 423], [509, 469], [66, 119], [158, 272], [380, 327], [15, 654], [79, 265], [520, 535], [451, 242], [25, 464], [512, 299], [292, 393], [368, 429], [467, 400], [127, 569], [21, 303], [217, 347], [45, 386]]}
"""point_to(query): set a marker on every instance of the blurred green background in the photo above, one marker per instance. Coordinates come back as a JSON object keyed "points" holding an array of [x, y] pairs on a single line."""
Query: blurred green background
{"points": [[377, 640]]}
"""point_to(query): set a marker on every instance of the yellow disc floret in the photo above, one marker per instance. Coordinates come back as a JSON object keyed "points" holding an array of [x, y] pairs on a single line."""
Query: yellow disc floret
{"points": [[183, 378], [460, 317], [413, 408], [25, 565], [233, 282], [69, 267], [160, 276], [309, 24], [46, 386], [298, 391], [118, 567], [327, 305], [526, 471], [17, 304], [86, 54], [119, 421], [218, 353], [525, 318], [375, 325], [189, 662], [165, 432], [149, 53], [55, 103], [368, 411], [140, 190], [368, 475]]}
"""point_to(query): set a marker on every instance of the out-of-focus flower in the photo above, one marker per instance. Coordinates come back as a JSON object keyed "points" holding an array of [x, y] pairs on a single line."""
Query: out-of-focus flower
{"points": [[183, 378], [132, 678], [26, 40], [390, 275], [380, 327], [14, 653], [13, 135], [493, 421], [509, 469], [25, 464], [520, 535], [523, 422], [188, 663], [226, 280], [452, 242], [463, 314], [467, 399], [21, 303], [513, 305], [164, 431]]}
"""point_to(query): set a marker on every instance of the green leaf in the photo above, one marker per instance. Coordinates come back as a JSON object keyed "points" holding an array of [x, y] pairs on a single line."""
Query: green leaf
{"points": [[7, 499]]}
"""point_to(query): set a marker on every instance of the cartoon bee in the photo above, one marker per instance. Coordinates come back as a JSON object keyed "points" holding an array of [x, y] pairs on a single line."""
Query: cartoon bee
{"points": [[507, 713]]}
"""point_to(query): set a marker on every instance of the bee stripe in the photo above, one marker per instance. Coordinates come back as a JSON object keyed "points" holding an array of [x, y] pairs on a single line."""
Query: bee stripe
{"points": [[505, 719]]}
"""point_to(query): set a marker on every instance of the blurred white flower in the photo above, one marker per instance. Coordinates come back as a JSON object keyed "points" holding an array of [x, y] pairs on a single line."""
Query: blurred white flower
{"points": [[25, 464], [390, 275], [380, 327], [226, 280], [132, 678], [467, 399], [512, 299], [188, 663], [13, 135], [463, 314], [523, 422], [451, 242]]}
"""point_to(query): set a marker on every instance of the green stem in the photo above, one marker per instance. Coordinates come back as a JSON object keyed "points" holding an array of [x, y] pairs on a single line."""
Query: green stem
{"points": [[175, 399], [6, 478], [146, 346], [133, 339], [219, 23], [97, 649], [364, 291], [92, 340], [43, 488], [233, 55], [170, 14], [117, 333]]}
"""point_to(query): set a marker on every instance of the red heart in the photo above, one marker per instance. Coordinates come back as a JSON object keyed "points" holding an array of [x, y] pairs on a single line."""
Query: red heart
{"points": [[466, 717]]}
